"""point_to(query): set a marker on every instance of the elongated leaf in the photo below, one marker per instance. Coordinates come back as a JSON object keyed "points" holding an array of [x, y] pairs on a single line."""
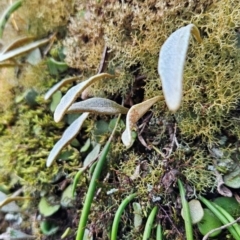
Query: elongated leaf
{"points": [[22, 50], [7, 13], [69, 134], [149, 223], [97, 105], [133, 115], [17, 43], [186, 212], [73, 93], [60, 84], [171, 62], [76, 180]]}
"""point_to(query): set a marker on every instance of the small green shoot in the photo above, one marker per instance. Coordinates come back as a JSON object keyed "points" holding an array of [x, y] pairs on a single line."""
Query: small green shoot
{"points": [[118, 215], [92, 186], [186, 212], [149, 224], [221, 217], [159, 234]]}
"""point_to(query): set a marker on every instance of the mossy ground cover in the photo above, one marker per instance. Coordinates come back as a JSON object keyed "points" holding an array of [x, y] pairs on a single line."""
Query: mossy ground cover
{"points": [[168, 146]]}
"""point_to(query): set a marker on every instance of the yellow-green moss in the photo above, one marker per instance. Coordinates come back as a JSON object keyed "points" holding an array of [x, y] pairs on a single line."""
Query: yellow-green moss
{"points": [[46, 16]]}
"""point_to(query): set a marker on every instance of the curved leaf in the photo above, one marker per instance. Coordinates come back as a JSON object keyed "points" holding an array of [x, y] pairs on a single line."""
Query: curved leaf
{"points": [[22, 50], [171, 62], [17, 43], [97, 105], [47, 209], [73, 93], [57, 86], [133, 115], [69, 134], [7, 13]]}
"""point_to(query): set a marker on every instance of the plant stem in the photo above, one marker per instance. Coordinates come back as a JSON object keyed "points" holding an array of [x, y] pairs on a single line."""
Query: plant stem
{"points": [[92, 186], [149, 223], [218, 214], [119, 214], [186, 210]]}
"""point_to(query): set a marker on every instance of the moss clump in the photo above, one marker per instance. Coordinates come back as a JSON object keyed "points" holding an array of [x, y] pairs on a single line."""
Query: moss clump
{"points": [[50, 15], [25, 145], [134, 33]]}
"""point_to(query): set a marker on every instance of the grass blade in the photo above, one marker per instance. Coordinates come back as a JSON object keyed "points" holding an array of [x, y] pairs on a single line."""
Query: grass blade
{"points": [[92, 186], [186, 210], [119, 214], [149, 223], [7, 13], [221, 217]]}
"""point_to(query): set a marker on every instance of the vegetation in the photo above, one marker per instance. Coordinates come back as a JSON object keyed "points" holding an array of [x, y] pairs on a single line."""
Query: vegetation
{"points": [[197, 144]]}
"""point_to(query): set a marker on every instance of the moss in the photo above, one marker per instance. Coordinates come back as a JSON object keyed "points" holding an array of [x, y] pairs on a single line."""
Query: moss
{"points": [[50, 15], [134, 33]]}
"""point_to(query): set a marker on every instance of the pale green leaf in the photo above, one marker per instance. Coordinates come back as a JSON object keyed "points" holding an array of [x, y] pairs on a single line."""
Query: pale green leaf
{"points": [[9, 207], [17, 43], [34, 57], [60, 84], [56, 67], [23, 50], [56, 98], [86, 145], [133, 115], [196, 211], [208, 223], [92, 155], [171, 62], [67, 199], [87, 235], [69, 134], [137, 215], [48, 228], [97, 105], [47, 209], [13, 234], [73, 93], [232, 179]]}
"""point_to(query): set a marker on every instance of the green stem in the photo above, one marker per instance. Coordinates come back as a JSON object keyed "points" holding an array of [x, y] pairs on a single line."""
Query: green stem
{"points": [[218, 214], [229, 218], [186, 211], [7, 13], [149, 223], [92, 186], [159, 232], [119, 214]]}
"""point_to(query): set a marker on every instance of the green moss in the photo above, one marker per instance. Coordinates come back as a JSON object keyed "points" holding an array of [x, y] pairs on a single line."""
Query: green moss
{"points": [[134, 34], [50, 15]]}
